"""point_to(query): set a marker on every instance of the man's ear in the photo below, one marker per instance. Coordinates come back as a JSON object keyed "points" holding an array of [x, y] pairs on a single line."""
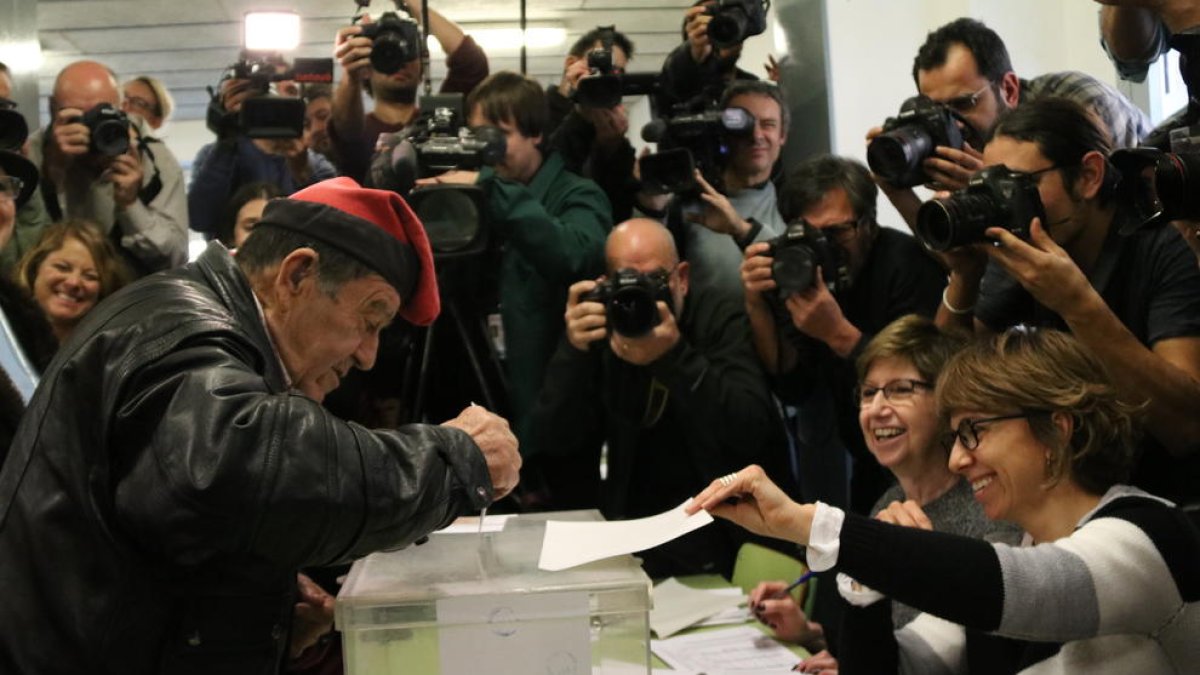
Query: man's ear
{"points": [[297, 269], [684, 273], [1010, 89], [1091, 175]]}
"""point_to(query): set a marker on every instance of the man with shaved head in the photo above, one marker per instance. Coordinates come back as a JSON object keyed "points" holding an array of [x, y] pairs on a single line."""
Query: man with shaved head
{"points": [[133, 191], [675, 391]]}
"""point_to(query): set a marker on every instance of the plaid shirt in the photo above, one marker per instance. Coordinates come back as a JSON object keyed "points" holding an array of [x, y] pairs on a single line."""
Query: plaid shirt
{"points": [[1126, 123]]}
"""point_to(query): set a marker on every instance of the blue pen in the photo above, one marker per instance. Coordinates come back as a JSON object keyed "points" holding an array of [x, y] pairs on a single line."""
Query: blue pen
{"points": [[792, 586]]}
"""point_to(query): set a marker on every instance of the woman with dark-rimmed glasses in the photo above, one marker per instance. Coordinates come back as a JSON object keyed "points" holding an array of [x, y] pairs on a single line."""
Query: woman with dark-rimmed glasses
{"points": [[1108, 578]]}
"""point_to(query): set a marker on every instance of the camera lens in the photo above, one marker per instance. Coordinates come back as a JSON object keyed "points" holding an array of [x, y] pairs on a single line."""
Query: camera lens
{"points": [[896, 155], [1177, 182], [633, 311], [943, 224], [389, 53], [794, 269], [451, 220], [728, 27], [111, 137]]}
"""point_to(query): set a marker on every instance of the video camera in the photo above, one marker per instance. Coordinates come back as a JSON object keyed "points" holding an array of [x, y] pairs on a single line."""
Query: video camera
{"points": [[455, 216], [688, 142], [108, 130], [735, 20], [1156, 186], [994, 197], [908, 139], [395, 40], [630, 300], [267, 114], [797, 255]]}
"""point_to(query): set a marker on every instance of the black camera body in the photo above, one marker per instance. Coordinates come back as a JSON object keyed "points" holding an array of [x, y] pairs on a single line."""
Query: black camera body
{"points": [[1156, 186], [108, 130], [908, 139], [630, 300], [395, 41], [994, 197], [688, 142], [469, 149], [735, 20], [797, 255], [265, 114]]}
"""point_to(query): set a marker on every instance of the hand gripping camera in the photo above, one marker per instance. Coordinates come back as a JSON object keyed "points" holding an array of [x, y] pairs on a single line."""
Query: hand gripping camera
{"points": [[630, 300], [995, 197], [735, 20], [799, 252], [108, 129], [908, 139]]}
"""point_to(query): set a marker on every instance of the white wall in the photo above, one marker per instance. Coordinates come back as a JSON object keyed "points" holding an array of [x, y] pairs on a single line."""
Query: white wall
{"points": [[872, 44]]}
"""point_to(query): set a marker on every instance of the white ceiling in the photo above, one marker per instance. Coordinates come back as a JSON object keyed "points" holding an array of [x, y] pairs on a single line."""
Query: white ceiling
{"points": [[187, 43]]}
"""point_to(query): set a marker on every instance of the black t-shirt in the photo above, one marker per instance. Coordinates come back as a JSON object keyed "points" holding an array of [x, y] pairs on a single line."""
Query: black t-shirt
{"points": [[1151, 282]]}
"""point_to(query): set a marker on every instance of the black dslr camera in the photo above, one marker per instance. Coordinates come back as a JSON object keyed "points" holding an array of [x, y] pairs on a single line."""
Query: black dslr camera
{"points": [[735, 20], [799, 252], [1156, 186], [108, 129], [908, 139], [630, 300], [395, 41], [601, 87], [688, 142], [995, 197]]}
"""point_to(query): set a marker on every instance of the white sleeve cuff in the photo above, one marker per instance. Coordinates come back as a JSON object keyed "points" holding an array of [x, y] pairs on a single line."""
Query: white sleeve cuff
{"points": [[855, 593], [824, 539]]}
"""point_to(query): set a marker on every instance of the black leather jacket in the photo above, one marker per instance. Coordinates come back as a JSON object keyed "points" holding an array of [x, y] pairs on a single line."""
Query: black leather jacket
{"points": [[164, 488]]}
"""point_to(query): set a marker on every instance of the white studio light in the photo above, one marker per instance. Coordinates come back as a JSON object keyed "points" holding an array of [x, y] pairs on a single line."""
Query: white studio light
{"points": [[23, 56], [271, 31]]}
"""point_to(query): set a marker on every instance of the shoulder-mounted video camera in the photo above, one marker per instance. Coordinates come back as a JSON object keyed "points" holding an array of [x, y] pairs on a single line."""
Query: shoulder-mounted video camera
{"points": [[898, 154], [395, 39], [688, 142], [266, 114], [630, 300], [735, 20], [799, 252], [994, 197]]}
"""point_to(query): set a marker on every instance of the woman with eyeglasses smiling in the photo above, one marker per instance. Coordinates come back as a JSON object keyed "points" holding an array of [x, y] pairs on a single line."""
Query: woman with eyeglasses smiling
{"points": [[900, 423], [1108, 578]]}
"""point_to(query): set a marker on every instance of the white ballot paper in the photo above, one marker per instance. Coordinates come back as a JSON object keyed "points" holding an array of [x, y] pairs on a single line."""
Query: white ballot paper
{"points": [[728, 651], [677, 606], [568, 544]]}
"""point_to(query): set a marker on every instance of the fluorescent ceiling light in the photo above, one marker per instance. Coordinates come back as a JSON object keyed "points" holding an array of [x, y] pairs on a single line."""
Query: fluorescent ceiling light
{"points": [[23, 57], [509, 39], [271, 31]]}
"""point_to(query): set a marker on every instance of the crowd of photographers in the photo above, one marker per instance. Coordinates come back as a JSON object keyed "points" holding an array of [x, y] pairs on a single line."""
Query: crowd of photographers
{"points": [[670, 317]]}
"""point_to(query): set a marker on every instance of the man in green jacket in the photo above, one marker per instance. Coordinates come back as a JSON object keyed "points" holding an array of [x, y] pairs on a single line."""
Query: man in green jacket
{"points": [[552, 225]]}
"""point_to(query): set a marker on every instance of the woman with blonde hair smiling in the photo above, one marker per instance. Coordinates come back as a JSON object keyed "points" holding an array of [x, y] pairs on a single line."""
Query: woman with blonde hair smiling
{"points": [[69, 270], [1108, 579]]}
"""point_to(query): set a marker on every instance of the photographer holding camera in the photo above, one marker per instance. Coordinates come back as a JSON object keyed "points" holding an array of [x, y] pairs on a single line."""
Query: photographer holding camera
{"points": [[592, 137], [696, 71], [713, 229], [668, 379], [390, 76], [551, 223], [1047, 221], [100, 165], [964, 66], [238, 157]]}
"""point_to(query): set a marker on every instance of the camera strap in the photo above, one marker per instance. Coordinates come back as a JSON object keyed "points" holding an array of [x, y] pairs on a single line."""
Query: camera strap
{"points": [[150, 190]]}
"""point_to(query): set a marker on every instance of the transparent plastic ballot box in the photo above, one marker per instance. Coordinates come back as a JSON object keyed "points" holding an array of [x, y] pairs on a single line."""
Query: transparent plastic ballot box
{"points": [[462, 604]]}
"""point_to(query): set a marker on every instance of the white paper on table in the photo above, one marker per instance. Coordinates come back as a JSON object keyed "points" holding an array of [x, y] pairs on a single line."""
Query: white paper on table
{"points": [[730, 651], [515, 634], [677, 606], [470, 524], [571, 543]]}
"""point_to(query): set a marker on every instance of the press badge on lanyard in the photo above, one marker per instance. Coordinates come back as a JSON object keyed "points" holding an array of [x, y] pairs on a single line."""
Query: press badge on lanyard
{"points": [[495, 329]]}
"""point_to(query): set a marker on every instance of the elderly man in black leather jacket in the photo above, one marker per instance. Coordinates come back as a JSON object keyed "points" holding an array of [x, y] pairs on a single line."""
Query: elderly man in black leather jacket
{"points": [[176, 468]]}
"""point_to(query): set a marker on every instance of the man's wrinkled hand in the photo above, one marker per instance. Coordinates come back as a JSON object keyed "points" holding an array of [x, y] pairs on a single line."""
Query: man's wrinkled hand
{"points": [[312, 615], [498, 444]]}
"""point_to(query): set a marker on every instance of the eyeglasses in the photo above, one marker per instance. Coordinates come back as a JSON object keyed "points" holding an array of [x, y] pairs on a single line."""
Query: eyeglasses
{"points": [[142, 104], [10, 187], [966, 102], [1037, 175], [841, 232], [967, 433], [896, 391]]}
